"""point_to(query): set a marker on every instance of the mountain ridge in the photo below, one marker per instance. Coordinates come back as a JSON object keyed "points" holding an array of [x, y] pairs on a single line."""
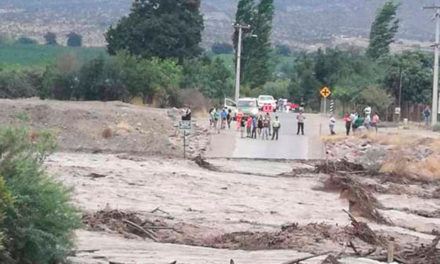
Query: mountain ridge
{"points": [[297, 22]]}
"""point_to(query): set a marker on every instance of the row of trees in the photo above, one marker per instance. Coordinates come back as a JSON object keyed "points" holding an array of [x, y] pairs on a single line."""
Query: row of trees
{"points": [[359, 80], [73, 40], [120, 77]]}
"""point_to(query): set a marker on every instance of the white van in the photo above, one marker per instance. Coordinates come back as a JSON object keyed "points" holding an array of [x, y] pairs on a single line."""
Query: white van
{"points": [[267, 99]]}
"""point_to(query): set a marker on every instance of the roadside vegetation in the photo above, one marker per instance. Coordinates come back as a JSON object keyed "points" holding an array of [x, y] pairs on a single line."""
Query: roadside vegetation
{"points": [[37, 218]]}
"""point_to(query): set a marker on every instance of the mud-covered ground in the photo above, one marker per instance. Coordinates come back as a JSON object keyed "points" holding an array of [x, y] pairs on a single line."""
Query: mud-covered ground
{"points": [[237, 205], [142, 203]]}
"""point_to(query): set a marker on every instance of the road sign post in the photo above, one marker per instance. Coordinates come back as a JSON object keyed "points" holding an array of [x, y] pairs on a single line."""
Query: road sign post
{"points": [[184, 144], [325, 93], [185, 125]]}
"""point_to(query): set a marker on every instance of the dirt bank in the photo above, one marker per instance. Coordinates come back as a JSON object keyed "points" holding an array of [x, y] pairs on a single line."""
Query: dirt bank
{"points": [[97, 127]]}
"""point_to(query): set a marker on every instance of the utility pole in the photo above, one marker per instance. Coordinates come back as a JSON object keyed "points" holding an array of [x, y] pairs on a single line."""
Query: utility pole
{"points": [[400, 91], [434, 111], [240, 28]]}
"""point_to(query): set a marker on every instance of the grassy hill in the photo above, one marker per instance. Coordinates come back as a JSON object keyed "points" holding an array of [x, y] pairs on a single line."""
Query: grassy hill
{"points": [[36, 56]]}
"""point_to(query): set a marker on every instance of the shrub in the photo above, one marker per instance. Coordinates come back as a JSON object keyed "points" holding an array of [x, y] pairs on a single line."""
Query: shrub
{"points": [[50, 38], [74, 40], [107, 133], [15, 84], [26, 41], [22, 116], [39, 224], [5, 201]]}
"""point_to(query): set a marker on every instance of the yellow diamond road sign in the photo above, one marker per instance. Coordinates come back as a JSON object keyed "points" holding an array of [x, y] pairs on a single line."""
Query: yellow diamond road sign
{"points": [[325, 92]]}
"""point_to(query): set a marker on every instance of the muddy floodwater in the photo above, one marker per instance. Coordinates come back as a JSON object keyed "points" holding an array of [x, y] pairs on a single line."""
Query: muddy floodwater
{"points": [[236, 196]]}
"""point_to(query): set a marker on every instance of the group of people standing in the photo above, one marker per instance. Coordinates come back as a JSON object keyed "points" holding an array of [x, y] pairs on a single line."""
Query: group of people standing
{"points": [[354, 121], [225, 117], [261, 126]]}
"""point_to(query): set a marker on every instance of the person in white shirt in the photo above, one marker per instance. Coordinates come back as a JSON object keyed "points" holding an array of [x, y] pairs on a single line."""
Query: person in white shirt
{"points": [[300, 117], [332, 124]]}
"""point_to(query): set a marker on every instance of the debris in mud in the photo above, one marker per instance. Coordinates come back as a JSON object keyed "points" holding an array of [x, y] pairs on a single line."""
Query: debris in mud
{"points": [[338, 166], [363, 231], [94, 175], [330, 259], [423, 213], [128, 224], [362, 201], [299, 260], [290, 237], [421, 255], [199, 160]]}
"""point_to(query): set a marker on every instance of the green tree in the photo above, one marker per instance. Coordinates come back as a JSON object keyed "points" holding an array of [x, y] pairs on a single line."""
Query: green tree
{"points": [[383, 30], [245, 15], [220, 81], [375, 97], [102, 79], [411, 70], [304, 85], [212, 78], [51, 38], [159, 28], [259, 67], [150, 78], [278, 88], [74, 40], [40, 222]]}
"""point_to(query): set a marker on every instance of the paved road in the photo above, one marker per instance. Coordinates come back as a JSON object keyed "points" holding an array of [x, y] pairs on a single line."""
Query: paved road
{"points": [[289, 146]]}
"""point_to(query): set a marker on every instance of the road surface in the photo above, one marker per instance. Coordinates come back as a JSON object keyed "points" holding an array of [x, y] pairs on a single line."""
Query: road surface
{"points": [[229, 144]]}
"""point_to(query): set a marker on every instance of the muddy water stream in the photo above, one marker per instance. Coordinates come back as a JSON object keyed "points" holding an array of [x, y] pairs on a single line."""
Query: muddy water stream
{"points": [[223, 202]]}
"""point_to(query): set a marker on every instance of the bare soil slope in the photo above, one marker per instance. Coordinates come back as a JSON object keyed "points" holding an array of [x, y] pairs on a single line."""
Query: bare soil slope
{"points": [[111, 127]]}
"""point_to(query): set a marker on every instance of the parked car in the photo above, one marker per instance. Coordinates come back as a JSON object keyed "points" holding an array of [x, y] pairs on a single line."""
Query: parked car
{"points": [[249, 106], [230, 105], [267, 99]]}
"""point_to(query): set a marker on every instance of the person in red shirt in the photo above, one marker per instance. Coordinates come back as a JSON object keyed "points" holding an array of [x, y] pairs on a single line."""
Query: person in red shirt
{"points": [[375, 120], [249, 126], [347, 120], [238, 118]]}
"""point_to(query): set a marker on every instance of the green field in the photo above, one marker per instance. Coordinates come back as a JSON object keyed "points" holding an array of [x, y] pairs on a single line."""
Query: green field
{"points": [[37, 56]]}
